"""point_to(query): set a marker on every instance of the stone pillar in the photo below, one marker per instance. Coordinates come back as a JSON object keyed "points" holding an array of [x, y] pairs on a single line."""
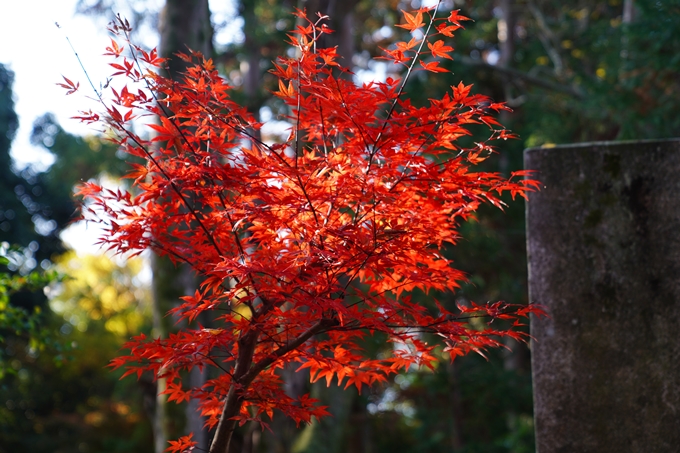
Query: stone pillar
{"points": [[604, 260]]}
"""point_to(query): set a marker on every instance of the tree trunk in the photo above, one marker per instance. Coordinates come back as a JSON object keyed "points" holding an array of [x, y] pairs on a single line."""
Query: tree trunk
{"points": [[341, 20], [234, 400], [506, 44], [183, 25]]}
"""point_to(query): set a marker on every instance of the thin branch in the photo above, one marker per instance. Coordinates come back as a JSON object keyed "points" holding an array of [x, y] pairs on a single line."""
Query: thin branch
{"points": [[135, 140], [416, 58], [547, 37], [533, 80]]}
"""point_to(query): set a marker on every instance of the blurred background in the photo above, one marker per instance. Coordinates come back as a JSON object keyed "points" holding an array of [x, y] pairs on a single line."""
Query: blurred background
{"points": [[576, 71]]}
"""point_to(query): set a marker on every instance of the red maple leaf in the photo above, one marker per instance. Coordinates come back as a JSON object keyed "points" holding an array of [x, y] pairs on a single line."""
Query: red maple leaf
{"points": [[69, 85], [413, 22], [456, 18], [439, 49], [433, 66], [182, 445]]}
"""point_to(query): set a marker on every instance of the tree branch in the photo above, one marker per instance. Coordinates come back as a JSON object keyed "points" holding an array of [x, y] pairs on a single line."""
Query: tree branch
{"points": [[318, 327], [245, 373], [533, 80]]}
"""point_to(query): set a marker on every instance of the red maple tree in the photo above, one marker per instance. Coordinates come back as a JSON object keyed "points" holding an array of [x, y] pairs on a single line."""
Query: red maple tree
{"points": [[307, 246]]}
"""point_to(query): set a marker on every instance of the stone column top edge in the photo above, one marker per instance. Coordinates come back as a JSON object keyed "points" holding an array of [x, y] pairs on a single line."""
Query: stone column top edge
{"points": [[604, 144]]}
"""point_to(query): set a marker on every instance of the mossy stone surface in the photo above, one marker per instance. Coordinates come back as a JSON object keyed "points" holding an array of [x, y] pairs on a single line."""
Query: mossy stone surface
{"points": [[604, 259]]}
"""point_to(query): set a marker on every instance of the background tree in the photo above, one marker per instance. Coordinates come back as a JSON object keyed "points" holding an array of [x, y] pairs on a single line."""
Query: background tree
{"points": [[69, 403], [551, 81], [182, 26], [55, 394]]}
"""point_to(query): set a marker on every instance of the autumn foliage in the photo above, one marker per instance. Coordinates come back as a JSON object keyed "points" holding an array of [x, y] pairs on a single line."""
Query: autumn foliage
{"points": [[306, 246]]}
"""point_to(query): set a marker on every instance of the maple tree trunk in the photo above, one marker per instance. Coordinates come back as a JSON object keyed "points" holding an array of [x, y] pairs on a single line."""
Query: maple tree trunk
{"points": [[245, 373], [232, 404], [226, 426]]}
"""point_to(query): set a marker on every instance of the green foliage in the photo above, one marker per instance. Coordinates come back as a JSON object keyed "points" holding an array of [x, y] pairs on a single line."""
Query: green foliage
{"points": [[102, 293], [72, 405], [595, 95], [19, 322], [76, 158], [57, 394]]}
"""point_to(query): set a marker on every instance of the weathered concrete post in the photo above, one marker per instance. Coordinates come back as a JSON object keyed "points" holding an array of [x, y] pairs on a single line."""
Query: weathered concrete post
{"points": [[604, 259]]}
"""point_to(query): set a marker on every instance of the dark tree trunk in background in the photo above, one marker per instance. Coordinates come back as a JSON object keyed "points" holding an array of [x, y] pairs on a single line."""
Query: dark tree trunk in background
{"points": [[506, 32], [252, 74], [184, 25], [341, 21]]}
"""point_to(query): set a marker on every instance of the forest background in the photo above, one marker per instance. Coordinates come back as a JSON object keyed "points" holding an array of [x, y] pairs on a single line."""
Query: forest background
{"points": [[582, 71]]}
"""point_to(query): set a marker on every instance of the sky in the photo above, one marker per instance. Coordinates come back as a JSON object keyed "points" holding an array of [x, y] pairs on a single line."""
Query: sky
{"points": [[37, 51]]}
